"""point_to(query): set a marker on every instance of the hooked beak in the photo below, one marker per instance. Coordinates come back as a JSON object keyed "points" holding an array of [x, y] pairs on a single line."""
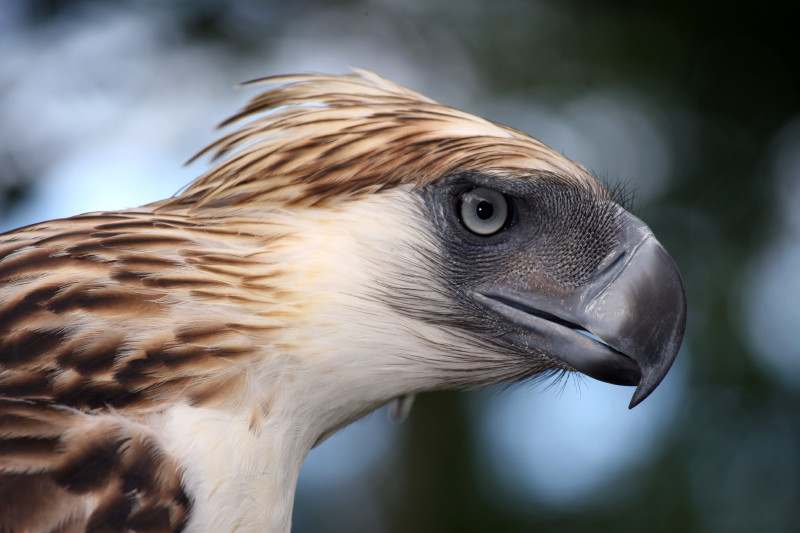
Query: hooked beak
{"points": [[624, 327]]}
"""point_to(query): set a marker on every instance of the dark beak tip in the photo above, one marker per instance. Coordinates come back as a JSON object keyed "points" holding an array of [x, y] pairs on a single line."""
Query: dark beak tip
{"points": [[650, 381], [652, 376], [639, 395]]}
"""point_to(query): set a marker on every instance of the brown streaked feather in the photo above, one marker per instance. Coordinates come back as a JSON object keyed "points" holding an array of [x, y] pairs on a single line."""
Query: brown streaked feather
{"points": [[318, 138], [95, 473], [134, 317]]}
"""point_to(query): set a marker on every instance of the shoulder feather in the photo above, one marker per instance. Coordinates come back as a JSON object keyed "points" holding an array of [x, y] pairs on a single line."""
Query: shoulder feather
{"points": [[95, 473]]}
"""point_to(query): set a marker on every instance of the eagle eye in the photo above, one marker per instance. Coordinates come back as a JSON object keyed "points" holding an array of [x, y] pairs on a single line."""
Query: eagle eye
{"points": [[484, 211]]}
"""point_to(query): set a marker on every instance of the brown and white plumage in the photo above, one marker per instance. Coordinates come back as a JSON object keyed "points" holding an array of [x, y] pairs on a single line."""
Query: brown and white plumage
{"points": [[58, 463], [168, 367]]}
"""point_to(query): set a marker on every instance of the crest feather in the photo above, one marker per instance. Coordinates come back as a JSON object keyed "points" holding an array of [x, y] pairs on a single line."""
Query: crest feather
{"points": [[315, 138]]}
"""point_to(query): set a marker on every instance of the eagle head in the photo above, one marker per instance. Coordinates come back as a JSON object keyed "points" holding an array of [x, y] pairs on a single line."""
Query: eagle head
{"points": [[439, 247]]}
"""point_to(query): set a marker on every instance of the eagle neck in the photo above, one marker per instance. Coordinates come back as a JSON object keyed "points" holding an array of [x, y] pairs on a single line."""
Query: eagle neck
{"points": [[239, 477]]}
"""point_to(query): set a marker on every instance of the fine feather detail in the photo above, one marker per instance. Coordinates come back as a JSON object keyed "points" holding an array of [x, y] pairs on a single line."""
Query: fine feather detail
{"points": [[319, 138], [66, 471], [130, 311]]}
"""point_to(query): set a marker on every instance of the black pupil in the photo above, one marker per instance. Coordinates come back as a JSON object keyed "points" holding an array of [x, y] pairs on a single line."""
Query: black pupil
{"points": [[484, 210]]}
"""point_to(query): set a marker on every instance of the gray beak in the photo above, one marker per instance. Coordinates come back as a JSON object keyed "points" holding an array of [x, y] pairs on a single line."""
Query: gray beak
{"points": [[624, 327]]}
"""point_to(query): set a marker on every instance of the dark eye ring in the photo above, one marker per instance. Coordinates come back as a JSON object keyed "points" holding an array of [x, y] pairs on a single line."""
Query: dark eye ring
{"points": [[484, 211]]}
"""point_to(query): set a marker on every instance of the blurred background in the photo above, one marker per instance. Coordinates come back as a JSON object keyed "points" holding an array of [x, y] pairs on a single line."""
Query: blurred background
{"points": [[694, 107]]}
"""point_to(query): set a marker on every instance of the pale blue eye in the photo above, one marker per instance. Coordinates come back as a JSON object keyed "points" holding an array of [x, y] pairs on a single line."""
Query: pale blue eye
{"points": [[483, 211]]}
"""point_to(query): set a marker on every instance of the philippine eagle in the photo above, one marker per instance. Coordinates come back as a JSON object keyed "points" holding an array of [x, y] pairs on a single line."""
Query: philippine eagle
{"points": [[168, 368]]}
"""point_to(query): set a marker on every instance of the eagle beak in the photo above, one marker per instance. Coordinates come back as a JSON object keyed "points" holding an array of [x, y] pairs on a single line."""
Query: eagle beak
{"points": [[624, 327]]}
